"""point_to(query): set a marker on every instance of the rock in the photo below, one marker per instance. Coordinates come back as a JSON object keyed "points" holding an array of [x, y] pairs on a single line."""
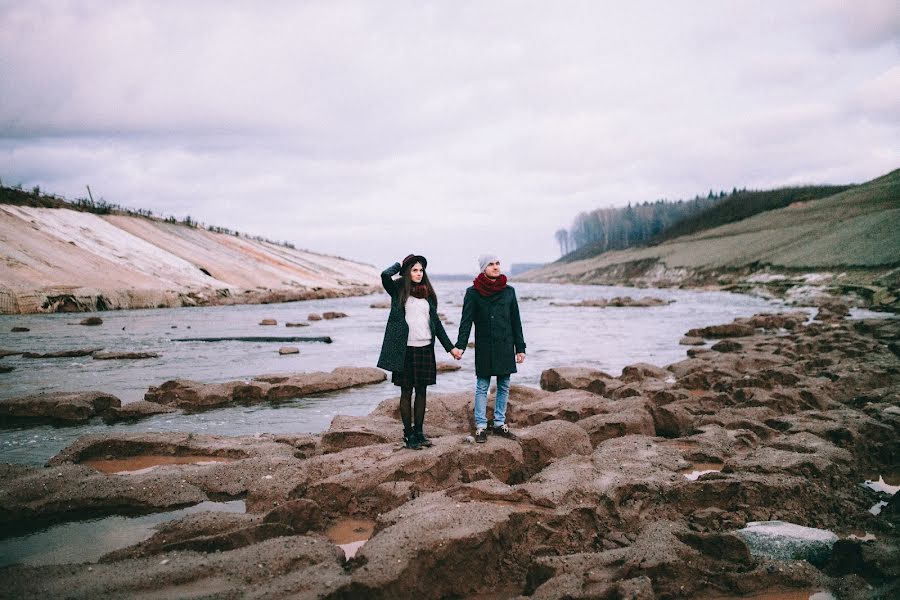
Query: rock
{"points": [[296, 324], [299, 515], [787, 541], [727, 346], [193, 395], [293, 567], [691, 341], [632, 419], [62, 353], [832, 311], [268, 322], [623, 301], [4, 353], [57, 407], [135, 410], [380, 305], [351, 432], [580, 378], [6, 369], [304, 384], [92, 321], [123, 355], [548, 441], [333, 315], [640, 371], [448, 367], [20, 329], [722, 331], [288, 350], [314, 317]]}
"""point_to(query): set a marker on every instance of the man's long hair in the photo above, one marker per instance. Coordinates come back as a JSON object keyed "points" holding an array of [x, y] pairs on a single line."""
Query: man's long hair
{"points": [[406, 288]]}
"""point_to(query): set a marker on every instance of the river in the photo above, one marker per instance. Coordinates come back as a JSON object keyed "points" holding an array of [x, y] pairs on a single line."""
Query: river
{"points": [[603, 338]]}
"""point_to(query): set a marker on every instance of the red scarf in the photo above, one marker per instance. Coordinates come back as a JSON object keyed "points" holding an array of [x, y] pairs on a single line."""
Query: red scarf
{"points": [[486, 286], [419, 290]]}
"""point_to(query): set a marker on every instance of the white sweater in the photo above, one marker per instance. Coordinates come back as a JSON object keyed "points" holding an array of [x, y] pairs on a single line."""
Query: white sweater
{"points": [[419, 321]]}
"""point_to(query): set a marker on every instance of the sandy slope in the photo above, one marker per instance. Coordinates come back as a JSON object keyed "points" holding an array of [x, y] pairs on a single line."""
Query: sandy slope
{"points": [[858, 229], [135, 262]]}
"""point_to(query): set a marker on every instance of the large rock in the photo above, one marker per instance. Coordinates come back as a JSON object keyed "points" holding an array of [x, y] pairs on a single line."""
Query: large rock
{"points": [[729, 330], [285, 567], [627, 418], [192, 395], [788, 541], [548, 441], [57, 407], [62, 353], [581, 378], [133, 411]]}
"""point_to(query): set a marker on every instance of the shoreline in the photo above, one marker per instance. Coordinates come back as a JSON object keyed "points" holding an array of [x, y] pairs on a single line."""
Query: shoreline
{"points": [[788, 417], [81, 300], [860, 287]]}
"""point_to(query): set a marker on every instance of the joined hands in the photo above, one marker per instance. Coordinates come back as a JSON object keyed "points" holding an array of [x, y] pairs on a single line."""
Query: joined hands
{"points": [[457, 353]]}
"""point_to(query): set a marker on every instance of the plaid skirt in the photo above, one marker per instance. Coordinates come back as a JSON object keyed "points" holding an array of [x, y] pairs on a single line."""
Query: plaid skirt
{"points": [[419, 367]]}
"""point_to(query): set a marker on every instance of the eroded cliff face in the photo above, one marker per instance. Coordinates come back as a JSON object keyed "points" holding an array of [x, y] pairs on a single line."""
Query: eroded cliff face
{"points": [[63, 260]]}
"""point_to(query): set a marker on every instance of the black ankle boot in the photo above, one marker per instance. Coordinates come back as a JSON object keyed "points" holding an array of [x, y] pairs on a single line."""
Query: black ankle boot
{"points": [[411, 440], [420, 437]]}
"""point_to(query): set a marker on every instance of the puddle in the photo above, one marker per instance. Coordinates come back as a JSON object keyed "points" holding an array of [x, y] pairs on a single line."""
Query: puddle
{"points": [[698, 469], [135, 465], [87, 541], [351, 534]]}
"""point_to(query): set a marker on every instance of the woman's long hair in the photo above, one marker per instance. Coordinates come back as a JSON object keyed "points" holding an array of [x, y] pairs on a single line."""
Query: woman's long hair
{"points": [[406, 288]]}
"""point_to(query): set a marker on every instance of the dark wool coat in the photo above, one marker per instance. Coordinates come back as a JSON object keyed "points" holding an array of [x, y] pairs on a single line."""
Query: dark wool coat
{"points": [[396, 333], [498, 331]]}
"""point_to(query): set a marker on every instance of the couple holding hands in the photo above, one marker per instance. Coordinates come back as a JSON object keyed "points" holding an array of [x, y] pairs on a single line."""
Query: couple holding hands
{"points": [[413, 325]]}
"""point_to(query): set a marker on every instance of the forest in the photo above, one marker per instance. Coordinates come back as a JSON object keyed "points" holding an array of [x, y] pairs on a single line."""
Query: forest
{"points": [[650, 223]]}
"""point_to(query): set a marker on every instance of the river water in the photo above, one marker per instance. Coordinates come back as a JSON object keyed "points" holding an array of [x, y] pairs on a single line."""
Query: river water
{"points": [[603, 338]]}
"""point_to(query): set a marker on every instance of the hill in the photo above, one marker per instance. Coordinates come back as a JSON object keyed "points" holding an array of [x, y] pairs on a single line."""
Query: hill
{"points": [[848, 240], [76, 259]]}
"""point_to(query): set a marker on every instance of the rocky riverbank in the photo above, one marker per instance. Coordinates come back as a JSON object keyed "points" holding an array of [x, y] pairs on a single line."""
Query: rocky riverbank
{"points": [[651, 484]]}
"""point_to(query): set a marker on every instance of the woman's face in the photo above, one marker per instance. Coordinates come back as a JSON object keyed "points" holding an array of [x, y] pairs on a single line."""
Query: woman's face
{"points": [[416, 273]]}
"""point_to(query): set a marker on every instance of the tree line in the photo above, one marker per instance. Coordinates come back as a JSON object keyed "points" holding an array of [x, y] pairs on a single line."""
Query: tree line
{"points": [[647, 223]]}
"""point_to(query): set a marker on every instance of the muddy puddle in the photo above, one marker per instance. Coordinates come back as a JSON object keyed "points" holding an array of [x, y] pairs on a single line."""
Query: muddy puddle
{"points": [[135, 465], [87, 541], [696, 470], [351, 534]]}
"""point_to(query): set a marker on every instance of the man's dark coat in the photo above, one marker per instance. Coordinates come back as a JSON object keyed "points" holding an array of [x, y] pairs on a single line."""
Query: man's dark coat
{"points": [[498, 331]]}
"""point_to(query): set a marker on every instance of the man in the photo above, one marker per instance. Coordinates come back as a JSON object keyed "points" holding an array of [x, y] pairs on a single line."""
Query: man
{"points": [[499, 345]]}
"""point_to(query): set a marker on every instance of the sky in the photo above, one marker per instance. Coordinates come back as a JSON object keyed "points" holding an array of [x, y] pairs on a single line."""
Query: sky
{"points": [[372, 130]]}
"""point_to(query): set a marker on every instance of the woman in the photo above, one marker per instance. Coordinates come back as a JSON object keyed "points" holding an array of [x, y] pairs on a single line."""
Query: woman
{"points": [[408, 347]]}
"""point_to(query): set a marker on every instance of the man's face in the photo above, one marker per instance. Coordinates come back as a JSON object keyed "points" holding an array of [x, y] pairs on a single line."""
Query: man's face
{"points": [[416, 273], [493, 270]]}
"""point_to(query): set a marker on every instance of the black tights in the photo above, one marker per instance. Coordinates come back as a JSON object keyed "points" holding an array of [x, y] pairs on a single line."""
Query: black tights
{"points": [[405, 400]]}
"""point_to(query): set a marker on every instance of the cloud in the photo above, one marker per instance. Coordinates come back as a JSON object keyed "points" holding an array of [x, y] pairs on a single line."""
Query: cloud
{"points": [[365, 130]]}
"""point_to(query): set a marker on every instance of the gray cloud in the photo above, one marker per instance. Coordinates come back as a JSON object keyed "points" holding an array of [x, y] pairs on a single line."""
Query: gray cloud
{"points": [[369, 130]]}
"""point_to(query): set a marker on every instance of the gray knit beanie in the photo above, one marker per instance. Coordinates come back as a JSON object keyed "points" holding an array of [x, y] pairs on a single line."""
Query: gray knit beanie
{"points": [[485, 259]]}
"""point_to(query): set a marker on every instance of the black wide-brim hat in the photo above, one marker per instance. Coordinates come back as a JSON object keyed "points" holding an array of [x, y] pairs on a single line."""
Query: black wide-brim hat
{"points": [[412, 259]]}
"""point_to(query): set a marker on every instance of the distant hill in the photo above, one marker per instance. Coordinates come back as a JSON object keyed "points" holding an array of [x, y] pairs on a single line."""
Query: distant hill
{"points": [[62, 256], [650, 223], [851, 238]]}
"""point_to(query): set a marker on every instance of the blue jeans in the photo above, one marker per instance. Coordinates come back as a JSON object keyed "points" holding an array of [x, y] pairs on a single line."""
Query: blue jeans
{"points": [[482, 384]]}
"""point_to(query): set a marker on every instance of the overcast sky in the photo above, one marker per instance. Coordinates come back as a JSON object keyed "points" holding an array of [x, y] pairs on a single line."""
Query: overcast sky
{"points": [[374, 129]]}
